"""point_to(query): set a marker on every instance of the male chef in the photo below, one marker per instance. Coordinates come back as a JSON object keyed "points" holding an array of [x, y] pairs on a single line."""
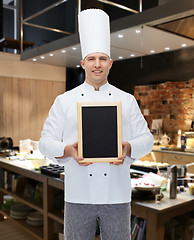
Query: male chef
{"points": [[95, 190]]}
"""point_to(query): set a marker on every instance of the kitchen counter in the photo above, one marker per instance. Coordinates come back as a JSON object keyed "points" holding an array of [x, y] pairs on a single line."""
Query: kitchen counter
{"points": [[158, 149], [157, 214], [171, 157]]}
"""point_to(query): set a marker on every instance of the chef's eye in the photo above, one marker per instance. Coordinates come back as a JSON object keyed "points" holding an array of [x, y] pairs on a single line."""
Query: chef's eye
{"points": [[103, 58], [91, 59]]}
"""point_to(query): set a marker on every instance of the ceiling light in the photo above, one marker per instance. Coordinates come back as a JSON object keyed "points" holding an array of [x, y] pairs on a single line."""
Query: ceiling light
{"points": [[120, 57], [137, 31], [132, 55], [51, 54], [120, 35], [34, 60], [152, 51], [184, 45], [167, 48], [74, 48], [42, 57], [78, 66], [63, 51]]}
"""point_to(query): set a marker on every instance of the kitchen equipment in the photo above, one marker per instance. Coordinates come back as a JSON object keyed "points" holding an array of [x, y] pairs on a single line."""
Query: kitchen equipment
{"points": [[52, 170], [190, 141], [138, 194], [147, 169], [6, 143], [179, 139], [182, 170], [183, 141], [173, 181], [35, 145], [6, 147], [165, 140]]}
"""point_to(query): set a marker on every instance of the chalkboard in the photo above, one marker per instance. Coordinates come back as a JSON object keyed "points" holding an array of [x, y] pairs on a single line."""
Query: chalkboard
{"points": [[99, 131]]}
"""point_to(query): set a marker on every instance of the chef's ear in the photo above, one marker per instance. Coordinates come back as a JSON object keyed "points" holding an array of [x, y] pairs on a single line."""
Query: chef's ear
{"points": [[82, 64], [111, 63]]}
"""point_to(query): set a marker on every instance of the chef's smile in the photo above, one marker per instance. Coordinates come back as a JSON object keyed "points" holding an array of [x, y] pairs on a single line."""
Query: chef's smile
{"points": [[97, 72]]}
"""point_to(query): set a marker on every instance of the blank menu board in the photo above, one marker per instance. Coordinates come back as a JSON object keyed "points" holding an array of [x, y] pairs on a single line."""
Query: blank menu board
{"points": [[99, 131]]}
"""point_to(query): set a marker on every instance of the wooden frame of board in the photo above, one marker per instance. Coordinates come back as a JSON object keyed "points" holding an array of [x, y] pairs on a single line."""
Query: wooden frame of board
{"points": [[99, 128]]}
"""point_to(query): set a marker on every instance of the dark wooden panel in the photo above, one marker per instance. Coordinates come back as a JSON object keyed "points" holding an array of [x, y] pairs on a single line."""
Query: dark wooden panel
{"points": [[25, 104], [157, 68], [183, 27]]}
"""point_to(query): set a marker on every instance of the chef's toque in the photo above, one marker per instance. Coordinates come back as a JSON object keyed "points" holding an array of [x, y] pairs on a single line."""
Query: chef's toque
{"points": [[94, 32]]}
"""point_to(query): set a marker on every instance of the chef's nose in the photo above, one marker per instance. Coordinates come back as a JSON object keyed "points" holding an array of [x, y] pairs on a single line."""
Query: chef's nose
{"points": [[97, 63]]}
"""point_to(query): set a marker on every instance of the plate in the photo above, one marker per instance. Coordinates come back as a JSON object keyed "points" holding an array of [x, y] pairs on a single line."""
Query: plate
{"points": [[20, 207], [36, 223], [18, 217], [35, 216], [19, 214], [140, 188]]}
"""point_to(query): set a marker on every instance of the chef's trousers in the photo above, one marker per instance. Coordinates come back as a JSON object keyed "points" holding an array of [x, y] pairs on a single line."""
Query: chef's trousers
{"points": [[80, 221]]}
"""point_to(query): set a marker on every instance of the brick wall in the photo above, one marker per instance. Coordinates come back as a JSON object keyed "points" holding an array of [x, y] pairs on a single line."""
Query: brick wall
{"points": [[171, 101]]}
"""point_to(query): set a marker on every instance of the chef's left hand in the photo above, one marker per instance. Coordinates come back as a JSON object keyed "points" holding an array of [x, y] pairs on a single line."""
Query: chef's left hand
{"points": [[126, 150]]}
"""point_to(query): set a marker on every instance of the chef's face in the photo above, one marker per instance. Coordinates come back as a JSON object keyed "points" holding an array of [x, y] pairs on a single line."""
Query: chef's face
{"points": [[96, 66]]}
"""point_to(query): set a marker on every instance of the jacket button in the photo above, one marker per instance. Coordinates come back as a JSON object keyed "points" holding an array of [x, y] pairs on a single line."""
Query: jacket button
{"points": [[105, 174], [90, 175], [109, 94], [82, 94]]}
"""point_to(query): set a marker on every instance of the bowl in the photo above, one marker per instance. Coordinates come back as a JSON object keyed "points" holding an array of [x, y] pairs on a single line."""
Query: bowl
{"points": [[37, 162]]}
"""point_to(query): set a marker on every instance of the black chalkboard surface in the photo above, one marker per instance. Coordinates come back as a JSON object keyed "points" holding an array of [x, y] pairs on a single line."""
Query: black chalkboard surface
{"points": [[99, 131]]}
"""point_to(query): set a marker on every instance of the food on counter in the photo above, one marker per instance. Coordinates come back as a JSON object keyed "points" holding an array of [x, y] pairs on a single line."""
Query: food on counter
{"points": [[142, 183], [138, 162], [149, 180], [165, 164], [150, 164], [191, 188]]}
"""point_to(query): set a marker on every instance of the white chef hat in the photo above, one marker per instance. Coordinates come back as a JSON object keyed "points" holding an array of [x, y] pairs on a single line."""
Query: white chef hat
{"points": [[94, 32]]}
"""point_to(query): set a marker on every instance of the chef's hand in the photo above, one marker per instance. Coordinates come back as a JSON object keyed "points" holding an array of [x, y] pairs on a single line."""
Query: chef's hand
{"points": [[126, 150], [72, 151]]}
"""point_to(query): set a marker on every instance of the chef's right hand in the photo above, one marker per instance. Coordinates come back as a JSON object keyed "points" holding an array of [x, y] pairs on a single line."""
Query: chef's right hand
{"points": [[72, 151]]}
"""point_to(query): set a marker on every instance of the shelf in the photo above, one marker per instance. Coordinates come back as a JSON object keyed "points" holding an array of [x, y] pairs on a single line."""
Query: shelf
{"points": [[35, 231], [57, 216], [155, 214], [28, 202], [8, 165], [14, 43], [56, 183]]}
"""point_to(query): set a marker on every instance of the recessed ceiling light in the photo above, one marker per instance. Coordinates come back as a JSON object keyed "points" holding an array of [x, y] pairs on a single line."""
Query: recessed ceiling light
{"points": [[51, 54], [120, 36], [167, 48], [152, 51], [42, 57], [74, 48], [137, 31], [34, 60], [120, 57], [63, 51], [184, 45], [78, 66], [132, 55]]}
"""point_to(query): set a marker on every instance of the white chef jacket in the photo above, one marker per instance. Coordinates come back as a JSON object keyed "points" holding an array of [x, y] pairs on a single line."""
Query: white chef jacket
{"points": [[98, 183]]}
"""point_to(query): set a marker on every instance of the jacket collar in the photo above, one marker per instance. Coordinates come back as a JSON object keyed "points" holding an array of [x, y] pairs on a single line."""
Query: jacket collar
{"points": [[91, 88]]}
